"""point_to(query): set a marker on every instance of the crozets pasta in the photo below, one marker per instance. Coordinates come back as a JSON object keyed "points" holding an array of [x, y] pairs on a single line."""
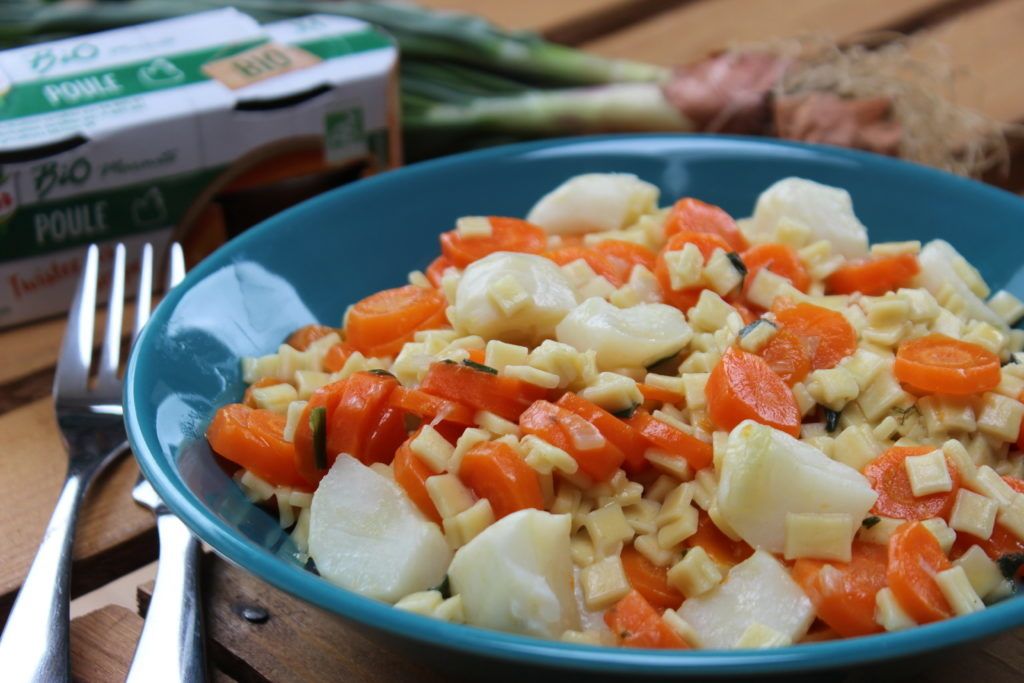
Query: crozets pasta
{"points": [[613, 423]]}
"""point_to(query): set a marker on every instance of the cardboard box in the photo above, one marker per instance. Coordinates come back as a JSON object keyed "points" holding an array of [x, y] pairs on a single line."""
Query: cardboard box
{"points": [[189, 129]]}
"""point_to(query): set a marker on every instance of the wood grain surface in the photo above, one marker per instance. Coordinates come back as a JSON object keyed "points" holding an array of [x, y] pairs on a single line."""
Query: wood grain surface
{"points": [[985, 44]]}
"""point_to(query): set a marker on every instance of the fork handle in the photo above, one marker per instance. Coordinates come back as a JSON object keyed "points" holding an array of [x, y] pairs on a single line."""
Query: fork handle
{"points": [[171, 645], [34, 646]]}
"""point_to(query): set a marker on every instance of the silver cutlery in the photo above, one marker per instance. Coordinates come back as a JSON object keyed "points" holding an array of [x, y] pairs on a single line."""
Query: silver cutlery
{"points": [[34, 645], [175, 611]]}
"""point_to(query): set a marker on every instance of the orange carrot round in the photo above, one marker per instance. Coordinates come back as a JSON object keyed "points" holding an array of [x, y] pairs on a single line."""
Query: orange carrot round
{"points": [[381, 323], [507, 234], [875, 276], [254, 439], [743, 387], [336, 356], [660, 394], [624, 256], [685, 299], [779, 259], [787, 355], [597, 456], [942, 365], [504, 396], [844, 596], [692, 215], [720, 547], [828, 335], [672, 441], [636, 623], [326, 397], [357, 414], [435, 271], [915, 557], [650, 580], [306, 335], [597, 261], [428, 407], [888, 476], [496, 472], [385, 437], [629, 441], [411, 474]]}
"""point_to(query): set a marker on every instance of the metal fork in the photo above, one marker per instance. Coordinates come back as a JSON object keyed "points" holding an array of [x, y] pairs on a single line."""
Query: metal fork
{"points": [[175, 612], [34, 646]]}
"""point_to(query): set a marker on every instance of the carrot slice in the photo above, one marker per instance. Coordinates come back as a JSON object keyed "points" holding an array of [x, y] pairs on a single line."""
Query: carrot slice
{"points": [[411, 474], [249, 399], [874, 277], [1002, 542], [628, 440], [844, 595], [359, 411], [743, 387], [650, 580], [667, 438], [254, 440], [336, 356], [779, 259], [624, 256], [597, 261], [496, 472], [787, 356], [720, 547], [692, 215], [637, 624], [915, 557], [435, 271], [888, 476], [504, 396], [685, 299], [828, 335], [507, 234], [326, 397], [942, 365], [653, 393], [385, 437], [381, 323], [597, 456], [306, 335], [428, 407]]}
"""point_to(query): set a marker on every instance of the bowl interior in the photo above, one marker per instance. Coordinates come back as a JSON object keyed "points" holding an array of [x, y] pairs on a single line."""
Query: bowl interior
{"points": [[310, 262]]}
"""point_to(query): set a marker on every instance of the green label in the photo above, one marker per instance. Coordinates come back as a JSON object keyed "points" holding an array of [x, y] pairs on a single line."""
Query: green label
{"points": [[161, 73], [65, 223], [343, 128]]}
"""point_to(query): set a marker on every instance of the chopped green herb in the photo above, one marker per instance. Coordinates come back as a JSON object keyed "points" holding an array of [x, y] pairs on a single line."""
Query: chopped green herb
{"points": [[318, 426], [870, 521], [831, 420], [381, 372], [479, 366], [1010, 564], [750, 327], [627, 413], [737, 263], [1012, 360], [445, 589], [449, 361]]}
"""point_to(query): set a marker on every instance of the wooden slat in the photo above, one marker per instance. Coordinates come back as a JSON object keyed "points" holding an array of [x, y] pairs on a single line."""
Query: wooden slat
{"points": [[698, 28], [296, 643], [30, 348], [102, 643], [987, 45], [114, 534]]}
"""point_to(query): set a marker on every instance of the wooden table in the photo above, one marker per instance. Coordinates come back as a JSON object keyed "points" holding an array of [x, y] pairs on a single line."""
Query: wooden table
{"points": [[115, 537]]}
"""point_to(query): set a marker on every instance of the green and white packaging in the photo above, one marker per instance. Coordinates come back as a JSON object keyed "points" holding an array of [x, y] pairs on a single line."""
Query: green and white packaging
{"points": [[130, 135]]}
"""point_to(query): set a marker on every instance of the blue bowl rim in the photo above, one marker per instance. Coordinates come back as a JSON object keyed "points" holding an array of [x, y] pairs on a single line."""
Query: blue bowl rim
{"points": [[505, 646]]}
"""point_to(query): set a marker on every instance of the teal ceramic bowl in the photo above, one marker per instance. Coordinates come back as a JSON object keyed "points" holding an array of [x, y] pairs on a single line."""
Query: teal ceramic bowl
{"points": [[308, 263]]}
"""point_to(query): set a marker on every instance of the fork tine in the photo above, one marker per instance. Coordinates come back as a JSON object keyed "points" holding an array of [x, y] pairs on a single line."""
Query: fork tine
{"points": [[143, 301], [76, 350], [106, 376], [175, 265]]}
